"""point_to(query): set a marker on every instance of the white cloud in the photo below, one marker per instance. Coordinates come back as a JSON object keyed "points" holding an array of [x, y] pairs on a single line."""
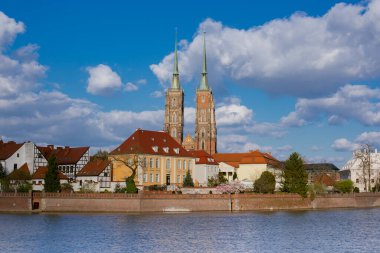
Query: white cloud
{"points": [[343, 144], [372, 138], [233, 114], [131, 87], [9, 28], [350, 102], [157, 94], [315, 148], [301, 55], [142, 81], [102, 80]]}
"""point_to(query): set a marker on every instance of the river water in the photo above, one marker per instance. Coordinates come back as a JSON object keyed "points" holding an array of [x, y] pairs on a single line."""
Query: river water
{"points": [[343, 230]]}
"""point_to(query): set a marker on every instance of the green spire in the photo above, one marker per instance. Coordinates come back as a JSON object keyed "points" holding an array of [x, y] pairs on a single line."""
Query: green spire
{"points": [[175, 79], [204, 81]]}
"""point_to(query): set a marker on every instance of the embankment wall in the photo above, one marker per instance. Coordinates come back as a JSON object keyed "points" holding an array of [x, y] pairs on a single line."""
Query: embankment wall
{"points": [[147, 202]]}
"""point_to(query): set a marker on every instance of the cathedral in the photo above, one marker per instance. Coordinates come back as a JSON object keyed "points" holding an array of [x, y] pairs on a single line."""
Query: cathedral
{"points": [[205, 124]]}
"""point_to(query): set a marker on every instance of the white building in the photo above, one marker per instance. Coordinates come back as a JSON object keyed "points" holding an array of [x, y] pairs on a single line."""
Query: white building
{"points": [[228, 169], [205, 168], [354, 170], [13, 155], [96, 176], [38, 178]]}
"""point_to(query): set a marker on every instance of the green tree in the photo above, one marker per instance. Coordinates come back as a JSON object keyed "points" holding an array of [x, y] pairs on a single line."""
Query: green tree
{"points": [[188, 180], [3, 172], [265, 184], [52, 183], [344, 186], [234, 177], [295, 176]]}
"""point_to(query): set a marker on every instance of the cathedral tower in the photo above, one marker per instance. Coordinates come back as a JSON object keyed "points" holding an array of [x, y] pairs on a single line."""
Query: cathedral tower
{"points": [[205, 124], [173, 123]]}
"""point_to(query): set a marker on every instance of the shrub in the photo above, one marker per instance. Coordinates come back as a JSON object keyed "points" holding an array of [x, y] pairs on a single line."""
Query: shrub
{"points": [[188, 180], [356, 190], [344, 186], [24, 187], [66, 187], [119, 189], [131, 186], [265, 184]]}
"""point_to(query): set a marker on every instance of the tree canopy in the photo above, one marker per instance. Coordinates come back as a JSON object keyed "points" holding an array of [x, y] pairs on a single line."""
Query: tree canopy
{"points": [[52, 183], [188, 180], [295, 176], [265, 184]]}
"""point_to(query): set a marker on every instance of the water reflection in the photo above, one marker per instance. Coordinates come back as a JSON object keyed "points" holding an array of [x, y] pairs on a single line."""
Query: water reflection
{"points": [[296, 231]]}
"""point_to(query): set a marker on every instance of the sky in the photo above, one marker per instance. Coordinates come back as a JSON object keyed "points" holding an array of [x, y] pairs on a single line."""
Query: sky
{"points": [[287, 76]]}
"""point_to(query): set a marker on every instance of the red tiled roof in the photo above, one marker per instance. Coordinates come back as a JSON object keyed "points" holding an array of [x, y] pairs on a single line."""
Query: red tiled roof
{"points": [[252, 157], [204, 157], [21, 173], [93, 168], [64, 155], [41, 172], [7, 149], [145, 141]]}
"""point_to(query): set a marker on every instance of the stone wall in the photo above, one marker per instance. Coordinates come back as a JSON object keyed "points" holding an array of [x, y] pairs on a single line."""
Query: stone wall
{"points": [[15, 202], [164, 202]]}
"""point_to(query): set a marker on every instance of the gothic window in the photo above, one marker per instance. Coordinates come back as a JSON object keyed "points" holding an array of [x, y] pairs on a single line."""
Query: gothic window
{"points": [[203, 145], [203, 132], [174, 133], [174, 118], [203, 98], [174, 102]]}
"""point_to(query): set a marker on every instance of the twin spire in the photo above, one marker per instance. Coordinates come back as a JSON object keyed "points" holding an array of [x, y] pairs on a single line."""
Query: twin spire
{"points": [[204, 80]]}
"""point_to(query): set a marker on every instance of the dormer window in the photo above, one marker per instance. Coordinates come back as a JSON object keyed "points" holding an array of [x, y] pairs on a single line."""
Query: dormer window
{"points": [[166, 149], [155, 148], [176, 150]]}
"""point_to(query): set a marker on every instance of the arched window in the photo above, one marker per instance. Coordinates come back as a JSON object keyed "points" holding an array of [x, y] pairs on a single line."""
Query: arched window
{"points": [[203, 145], [174, 118], [203, 132], [174, 102]]}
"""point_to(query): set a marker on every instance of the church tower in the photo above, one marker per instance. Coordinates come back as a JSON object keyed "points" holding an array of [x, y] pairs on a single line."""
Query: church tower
{"points": [[205, 124], [174, 118]]}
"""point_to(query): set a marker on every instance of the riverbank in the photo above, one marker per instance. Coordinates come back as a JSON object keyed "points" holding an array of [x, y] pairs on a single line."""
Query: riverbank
{"points": [[164, 202]]}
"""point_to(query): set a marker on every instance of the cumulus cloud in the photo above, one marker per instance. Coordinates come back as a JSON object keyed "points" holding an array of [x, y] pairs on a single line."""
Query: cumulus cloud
{"points": [[372, 138], [131, 87], [301, 55], [343, 144], [350, 102], [9, 29], [102, 80]]}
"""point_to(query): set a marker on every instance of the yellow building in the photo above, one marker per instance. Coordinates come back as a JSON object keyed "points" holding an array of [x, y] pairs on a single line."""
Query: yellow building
{"points": [[157, 158]]}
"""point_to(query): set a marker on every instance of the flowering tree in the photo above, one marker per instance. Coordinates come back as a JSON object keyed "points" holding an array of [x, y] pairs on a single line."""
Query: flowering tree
{"points": [[232, 187]]}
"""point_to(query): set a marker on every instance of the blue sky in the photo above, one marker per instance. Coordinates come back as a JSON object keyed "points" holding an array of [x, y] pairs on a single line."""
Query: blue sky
{"points": [[287, 75]]}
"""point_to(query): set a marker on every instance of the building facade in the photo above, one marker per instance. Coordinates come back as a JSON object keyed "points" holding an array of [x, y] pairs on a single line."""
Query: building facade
{"points": [[205, 168], [157, 158], [364, 177]]}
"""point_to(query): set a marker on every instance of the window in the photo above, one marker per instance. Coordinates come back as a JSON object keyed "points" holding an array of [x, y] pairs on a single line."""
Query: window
{"points": [[178, 164], [15, 166], [357, 180], [157, 163], [105, 174], [151, 177], [168, 164], [203, 145], [144, 162], [372, 180], [166, 149], [178, 179], [145, 177], [18, 155], [188, 165], [151, 162], [174, 133], [203, 99], [155, 148], [176, 150], [71, 169], [157, 178], [184, 164], [174, 102]]}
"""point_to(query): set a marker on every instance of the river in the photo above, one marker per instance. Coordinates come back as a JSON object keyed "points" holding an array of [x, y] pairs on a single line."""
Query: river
{"points": [[341, 230]]}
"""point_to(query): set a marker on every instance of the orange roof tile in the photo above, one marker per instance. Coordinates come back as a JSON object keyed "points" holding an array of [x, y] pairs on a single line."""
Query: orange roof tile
{"points": [[7, 149], [21, 173], [202, 157], [93, 168], [41, 172], [145, 142], [64, 155], [252, 157]]}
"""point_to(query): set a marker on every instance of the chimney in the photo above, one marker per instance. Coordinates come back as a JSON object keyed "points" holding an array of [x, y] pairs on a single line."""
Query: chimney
{"points": [[50, 146]]}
